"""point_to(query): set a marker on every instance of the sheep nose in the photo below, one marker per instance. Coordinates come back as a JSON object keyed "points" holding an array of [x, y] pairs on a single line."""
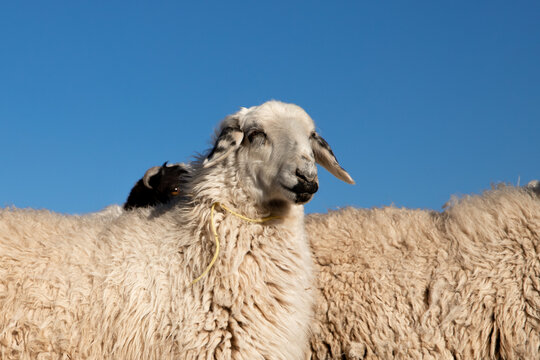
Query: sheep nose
{"points": [[308, 176], [307, 181]]}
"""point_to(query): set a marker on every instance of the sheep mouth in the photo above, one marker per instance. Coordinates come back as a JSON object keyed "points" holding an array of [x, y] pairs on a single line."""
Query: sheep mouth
{"points": [[302, 192]]}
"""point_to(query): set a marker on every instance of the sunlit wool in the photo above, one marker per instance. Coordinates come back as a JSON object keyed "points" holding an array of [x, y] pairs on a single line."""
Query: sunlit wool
{"points": [[119, 287], [412, 284]]}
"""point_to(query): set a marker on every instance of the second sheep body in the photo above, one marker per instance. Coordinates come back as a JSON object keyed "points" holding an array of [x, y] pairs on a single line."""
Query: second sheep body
{"points": [[414, 284]]}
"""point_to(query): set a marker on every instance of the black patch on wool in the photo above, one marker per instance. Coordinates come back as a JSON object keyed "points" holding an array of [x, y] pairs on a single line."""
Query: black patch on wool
{"points": [[168, 180]]}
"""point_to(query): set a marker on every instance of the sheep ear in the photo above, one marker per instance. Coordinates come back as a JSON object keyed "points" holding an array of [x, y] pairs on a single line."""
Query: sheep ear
{"points": [[149, 174], [228, 140], [325, 157]]}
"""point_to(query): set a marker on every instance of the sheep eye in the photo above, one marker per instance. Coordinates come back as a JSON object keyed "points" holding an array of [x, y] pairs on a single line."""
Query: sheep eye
{"points": [[257, 135], [175, 191]]}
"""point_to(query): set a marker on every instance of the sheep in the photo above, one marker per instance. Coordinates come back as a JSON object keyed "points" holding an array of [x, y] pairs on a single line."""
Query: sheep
{"points": [[158, 186], [463, 283], [88, 287], [332, 341]]}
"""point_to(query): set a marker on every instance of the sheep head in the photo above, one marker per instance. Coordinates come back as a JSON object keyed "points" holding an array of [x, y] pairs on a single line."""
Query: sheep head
{"points": [[275, 147], [159, 185]]}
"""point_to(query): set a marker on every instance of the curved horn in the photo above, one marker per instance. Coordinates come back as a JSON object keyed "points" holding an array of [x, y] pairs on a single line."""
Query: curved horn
{"points": [[148, 174]]}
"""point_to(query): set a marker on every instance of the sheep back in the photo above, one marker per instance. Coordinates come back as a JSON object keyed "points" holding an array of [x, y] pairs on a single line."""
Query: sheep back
{"points": [[401, 283], [119, 288]]}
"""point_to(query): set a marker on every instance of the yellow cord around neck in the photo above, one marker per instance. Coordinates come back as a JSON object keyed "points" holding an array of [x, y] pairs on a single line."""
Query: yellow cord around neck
{"points": [[216, 238]]}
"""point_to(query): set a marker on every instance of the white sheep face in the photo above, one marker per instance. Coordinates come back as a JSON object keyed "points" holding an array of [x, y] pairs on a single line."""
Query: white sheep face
{"points": [[275, 148]]}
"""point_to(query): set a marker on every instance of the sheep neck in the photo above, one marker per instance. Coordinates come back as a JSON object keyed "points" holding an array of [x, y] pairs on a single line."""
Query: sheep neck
{"points": [[226, 184], [216, 237]]}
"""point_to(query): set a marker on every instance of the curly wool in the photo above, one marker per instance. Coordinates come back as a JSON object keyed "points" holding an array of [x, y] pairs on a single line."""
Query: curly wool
{"points": [[413, 284], [71, 286], [119, 286]]}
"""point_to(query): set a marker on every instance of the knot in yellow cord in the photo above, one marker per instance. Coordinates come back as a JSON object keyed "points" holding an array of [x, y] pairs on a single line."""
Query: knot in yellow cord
{"points": [[216, 238]]}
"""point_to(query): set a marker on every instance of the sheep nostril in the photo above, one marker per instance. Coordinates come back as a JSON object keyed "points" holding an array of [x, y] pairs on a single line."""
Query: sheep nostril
{"points": [[301, 176]]}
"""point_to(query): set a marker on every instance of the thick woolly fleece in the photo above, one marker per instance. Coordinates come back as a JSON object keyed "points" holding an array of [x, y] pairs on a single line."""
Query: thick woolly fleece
{"points": [[411, 284], [91, 287], [94, 287]]}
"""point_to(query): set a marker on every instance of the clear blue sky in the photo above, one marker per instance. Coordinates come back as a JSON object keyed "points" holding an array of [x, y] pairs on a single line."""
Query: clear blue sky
{"points": [[419, 99]]}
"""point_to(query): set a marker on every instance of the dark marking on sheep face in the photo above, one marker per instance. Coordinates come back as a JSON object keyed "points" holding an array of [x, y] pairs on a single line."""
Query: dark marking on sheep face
{"points": [[224, 140], [257, 137]]}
